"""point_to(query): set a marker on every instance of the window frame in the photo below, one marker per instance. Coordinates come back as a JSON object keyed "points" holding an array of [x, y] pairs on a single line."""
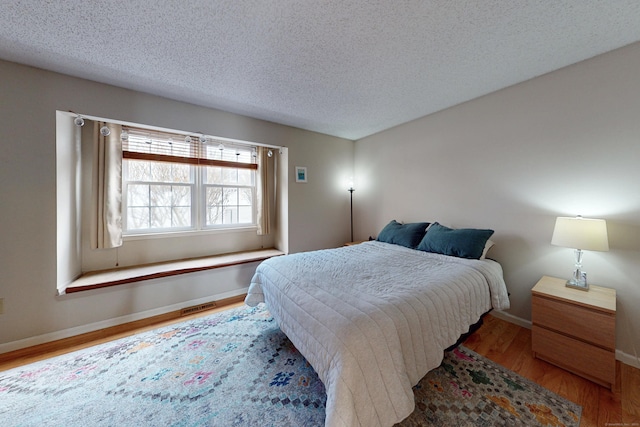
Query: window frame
{"points": [[197, 156], [203, 209], [145, 231]]}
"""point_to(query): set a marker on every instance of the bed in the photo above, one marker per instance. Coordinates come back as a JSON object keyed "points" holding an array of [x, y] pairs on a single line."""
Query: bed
{"points": [[372, 319]]}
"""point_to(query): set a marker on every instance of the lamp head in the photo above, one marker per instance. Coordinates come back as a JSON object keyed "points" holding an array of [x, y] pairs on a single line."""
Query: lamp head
{"points": [[581, 233]]}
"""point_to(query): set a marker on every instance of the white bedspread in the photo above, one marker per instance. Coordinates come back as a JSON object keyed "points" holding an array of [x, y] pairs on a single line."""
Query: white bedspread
{"points": [[373, 319]]}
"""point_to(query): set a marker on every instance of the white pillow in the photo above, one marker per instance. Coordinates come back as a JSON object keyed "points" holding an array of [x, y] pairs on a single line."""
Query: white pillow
{"points": [[487, 246]]}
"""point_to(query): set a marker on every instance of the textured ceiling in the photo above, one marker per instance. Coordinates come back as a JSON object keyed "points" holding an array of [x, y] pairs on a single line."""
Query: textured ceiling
{"points": [[344, 68]]}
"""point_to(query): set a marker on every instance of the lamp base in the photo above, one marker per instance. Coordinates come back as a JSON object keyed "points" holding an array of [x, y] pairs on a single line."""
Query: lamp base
{"points": [[578, 281], [583, 287]]}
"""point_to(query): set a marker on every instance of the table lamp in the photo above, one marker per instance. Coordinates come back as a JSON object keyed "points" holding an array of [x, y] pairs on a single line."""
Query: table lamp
{"points": [[580, 234]]}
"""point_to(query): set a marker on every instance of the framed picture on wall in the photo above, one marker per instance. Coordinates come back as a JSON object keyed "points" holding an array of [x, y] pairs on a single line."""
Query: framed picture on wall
{"points": [[301, 174]]}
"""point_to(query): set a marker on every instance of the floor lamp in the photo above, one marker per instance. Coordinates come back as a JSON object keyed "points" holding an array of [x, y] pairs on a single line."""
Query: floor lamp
{"points": [[351, 190]]}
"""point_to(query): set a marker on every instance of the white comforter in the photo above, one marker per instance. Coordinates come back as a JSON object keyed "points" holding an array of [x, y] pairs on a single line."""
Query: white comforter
{"points": [[373, 319]]}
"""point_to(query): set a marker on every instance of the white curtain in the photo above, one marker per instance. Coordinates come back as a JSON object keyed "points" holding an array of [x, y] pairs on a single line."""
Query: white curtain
{"points": [[263, 193], [106, 195]]}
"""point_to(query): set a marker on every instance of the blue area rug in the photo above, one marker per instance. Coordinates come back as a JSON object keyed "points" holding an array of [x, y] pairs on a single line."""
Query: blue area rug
{"points": [[237, 368]]}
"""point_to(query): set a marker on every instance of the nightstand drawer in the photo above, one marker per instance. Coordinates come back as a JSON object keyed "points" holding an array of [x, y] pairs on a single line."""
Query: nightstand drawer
{"points": [[592, 362], [589, 325]]}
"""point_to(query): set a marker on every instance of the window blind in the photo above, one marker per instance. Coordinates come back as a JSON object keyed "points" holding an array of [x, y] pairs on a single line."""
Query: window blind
{"points": [[143, 144]]}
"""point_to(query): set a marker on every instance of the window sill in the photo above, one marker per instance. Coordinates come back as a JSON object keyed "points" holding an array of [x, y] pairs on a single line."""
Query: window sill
{"points": [[120, 276]]}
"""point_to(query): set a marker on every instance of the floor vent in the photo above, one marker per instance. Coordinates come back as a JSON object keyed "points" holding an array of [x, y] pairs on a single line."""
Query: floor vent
{"points": [[197, 308]]}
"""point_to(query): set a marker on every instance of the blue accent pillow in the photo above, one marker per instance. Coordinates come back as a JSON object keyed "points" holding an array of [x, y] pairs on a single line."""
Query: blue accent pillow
{"points": [[408, 235], [462, 242]]}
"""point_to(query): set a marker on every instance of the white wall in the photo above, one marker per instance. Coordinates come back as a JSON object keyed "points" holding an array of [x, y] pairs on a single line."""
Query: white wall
{"points": [[563, 144], [318, 211]]}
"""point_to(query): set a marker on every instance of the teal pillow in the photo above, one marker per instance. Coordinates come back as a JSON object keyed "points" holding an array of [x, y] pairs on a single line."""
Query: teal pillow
{"points": [[462, 243], [408, 235]]}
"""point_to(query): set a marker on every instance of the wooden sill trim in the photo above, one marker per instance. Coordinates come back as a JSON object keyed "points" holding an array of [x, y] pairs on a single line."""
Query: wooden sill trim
{"points": [[119, 276]]}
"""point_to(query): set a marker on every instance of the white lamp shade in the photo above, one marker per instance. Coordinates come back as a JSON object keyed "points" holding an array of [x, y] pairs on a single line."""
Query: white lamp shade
{"points": [[581, 233]]}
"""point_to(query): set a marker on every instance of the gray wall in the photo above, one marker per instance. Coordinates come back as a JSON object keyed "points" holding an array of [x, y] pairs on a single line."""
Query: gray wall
{"points": [[318, 210], [564, 144]]}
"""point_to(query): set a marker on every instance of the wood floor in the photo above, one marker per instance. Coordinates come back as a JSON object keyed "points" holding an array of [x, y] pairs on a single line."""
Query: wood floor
{"points": [[503, 342], [510, 346]]}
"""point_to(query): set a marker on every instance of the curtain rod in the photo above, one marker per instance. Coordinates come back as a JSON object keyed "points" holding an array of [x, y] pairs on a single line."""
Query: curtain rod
{"points": [[162, 129]]}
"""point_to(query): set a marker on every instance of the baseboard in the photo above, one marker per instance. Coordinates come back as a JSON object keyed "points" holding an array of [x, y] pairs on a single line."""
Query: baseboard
{"points": [[47, 342], [628, 359], [511, 318], [8, 350]]}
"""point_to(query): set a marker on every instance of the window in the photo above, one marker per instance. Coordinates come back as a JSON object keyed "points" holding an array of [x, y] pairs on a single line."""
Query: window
{"points": [[247, 206], [177, 183], [157, 196]]}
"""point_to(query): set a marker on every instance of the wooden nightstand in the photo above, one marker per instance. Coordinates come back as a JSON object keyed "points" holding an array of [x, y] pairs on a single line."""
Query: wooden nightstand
{"points": [[574, 329]]}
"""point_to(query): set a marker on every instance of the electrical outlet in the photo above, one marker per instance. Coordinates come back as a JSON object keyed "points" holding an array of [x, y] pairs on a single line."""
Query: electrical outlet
{"points": [[1, 305]]}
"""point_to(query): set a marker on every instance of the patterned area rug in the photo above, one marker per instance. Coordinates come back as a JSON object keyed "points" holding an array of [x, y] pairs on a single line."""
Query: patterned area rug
{"points": [[236, 368], [470, 390]]}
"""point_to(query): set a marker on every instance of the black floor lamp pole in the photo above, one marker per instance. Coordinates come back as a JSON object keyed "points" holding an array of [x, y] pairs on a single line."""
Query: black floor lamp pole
{"points": [[351, 189]]}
